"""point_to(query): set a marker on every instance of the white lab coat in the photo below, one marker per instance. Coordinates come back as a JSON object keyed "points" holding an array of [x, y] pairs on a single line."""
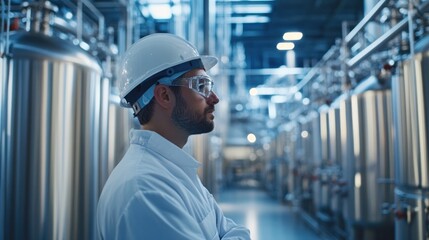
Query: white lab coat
{"points": [[155, 193]]}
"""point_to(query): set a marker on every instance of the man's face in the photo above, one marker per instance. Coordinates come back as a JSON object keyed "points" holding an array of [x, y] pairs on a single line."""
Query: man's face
{"points": [[193, 112], [194, 121]]}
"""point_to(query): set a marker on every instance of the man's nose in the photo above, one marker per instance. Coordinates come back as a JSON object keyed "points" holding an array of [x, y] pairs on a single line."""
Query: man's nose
{"points": [[213, 98]]}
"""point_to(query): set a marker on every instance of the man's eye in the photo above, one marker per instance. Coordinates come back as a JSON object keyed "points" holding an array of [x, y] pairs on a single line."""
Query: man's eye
{"points": [[201, 87]]}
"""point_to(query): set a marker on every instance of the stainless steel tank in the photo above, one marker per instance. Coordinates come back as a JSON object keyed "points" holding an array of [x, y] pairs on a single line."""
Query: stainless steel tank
{"points": [[55, 119], [3, 134], [310, 134], [316, 159], [120, 122], [281, 170], [373, 170], [292, 130], [410, 92], [347, 162], [323, 170], [334, 163]]}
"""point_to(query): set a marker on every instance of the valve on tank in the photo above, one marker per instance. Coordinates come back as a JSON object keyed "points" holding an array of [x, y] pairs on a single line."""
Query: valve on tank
{"points": [[405, 212]]}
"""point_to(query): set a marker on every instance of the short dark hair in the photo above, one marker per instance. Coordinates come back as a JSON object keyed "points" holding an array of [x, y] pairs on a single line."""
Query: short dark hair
{"points": [[146, 112]]}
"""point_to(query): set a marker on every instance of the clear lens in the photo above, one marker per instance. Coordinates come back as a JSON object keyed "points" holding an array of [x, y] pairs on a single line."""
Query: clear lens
{"points": [[202, 84]]}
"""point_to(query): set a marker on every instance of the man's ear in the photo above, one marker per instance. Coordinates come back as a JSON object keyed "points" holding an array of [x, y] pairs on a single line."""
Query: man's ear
{"points": [[163, 96]]}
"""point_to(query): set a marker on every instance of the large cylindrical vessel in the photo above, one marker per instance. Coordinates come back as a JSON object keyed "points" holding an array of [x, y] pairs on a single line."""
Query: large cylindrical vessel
{"points": [[292, 158], [334, 163], [55, 93], [3, 134], [315, 158], [410, 90], [373, 170], [347, 162], [281, 169], [310, 147], [120, 122], [323, 170]]}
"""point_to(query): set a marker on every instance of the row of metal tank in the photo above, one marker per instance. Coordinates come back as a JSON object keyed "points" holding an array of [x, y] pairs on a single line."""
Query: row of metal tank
{"points": [[359, 167], [60, 120], [62, 128]]}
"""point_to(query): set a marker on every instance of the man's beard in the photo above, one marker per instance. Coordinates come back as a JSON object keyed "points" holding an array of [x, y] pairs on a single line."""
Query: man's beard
{"points": [[191, 121]]}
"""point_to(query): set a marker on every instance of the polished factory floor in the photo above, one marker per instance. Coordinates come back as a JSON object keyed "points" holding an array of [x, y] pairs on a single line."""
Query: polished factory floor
{"points": [[266, 218]]}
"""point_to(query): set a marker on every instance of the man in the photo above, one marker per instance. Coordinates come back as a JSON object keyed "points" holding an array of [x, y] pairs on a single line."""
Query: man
{"points": [[155, 192]]}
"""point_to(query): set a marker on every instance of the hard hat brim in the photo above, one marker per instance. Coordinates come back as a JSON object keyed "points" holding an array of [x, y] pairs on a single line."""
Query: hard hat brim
{"points": [[208, 62]]}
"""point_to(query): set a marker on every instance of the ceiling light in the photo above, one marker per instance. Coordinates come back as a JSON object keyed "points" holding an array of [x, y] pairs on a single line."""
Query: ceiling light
{"points": [[145, 11], [292, 36], [158, 1], [251, 137], [285, 46], [253, 92], [304, 134], [249, 19], [232, 1], [254, 9], [279, 99], [271, 91], [160, 11], [305, 101]]}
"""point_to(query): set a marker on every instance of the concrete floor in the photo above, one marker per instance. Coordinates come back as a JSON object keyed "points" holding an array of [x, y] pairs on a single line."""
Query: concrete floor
{"points": [[266, 218]]}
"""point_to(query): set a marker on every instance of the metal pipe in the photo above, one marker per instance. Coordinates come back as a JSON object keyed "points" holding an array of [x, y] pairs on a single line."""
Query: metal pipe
{"points": [[385, 38], [79, 19], [129, 24], [380, 42], [6, 46], [345, 54], [309, 76], [2, 29], [371, 15], [100, 17]]}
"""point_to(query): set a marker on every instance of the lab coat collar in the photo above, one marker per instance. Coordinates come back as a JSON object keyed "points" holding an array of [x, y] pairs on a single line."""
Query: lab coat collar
{"points": [[163, 147]]}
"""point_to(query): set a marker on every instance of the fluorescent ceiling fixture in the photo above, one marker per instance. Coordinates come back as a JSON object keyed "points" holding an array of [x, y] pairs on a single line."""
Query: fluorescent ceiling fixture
{"points": [[271, 91], [246, 9], [285, 46], [279, 99], [292, 36], [160, 11], [157, 1], [272, 111], [253, 92], [250, 19], [241, 1]]}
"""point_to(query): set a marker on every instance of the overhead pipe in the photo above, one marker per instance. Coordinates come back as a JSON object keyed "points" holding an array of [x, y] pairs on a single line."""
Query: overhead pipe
{"points": [[79, 14], [5, 37], [367, 19], [377, 44], [313, 72], [386, 37], [101, 21], [79, 18]]}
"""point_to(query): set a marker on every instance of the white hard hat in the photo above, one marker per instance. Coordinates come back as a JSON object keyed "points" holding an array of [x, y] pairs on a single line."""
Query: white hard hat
{"points": [[154, 57]]}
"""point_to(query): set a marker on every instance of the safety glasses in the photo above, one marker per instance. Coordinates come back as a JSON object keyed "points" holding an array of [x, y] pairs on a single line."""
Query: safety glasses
{"points": [[201, 84]]}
